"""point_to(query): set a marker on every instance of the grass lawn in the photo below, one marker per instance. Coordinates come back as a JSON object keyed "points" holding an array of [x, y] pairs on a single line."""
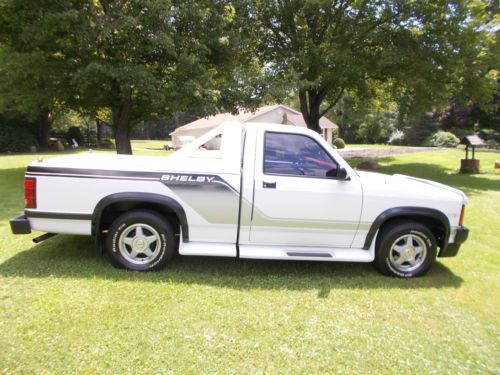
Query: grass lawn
{"points": [[147, 147], [63, 311]]}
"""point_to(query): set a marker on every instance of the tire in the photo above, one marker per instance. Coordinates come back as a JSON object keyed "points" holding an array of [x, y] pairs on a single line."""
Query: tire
{"points": [[140, 240], [405, 249]]}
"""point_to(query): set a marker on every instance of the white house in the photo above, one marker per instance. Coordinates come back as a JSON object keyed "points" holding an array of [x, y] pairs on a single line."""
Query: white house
{"points": [[276, 114]]}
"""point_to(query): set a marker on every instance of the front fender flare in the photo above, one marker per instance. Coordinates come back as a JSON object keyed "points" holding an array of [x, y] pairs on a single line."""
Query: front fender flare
{"points": [[405, 212]]}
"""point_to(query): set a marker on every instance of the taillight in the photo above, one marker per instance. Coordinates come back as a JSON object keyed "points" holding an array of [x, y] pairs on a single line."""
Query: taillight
{"points": [[462, 214], [30, 192]]}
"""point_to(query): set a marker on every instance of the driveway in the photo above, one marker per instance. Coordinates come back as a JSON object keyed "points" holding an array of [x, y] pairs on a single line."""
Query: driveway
{"points": [[383, 151]]}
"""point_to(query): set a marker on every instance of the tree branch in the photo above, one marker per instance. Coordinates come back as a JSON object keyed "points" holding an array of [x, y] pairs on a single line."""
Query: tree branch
{"points": [[332, 104]]}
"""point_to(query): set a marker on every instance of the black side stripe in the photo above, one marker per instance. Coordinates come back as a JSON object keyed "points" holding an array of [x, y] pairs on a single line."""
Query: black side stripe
{"points": [[58, 215], [100, 177], [316, 255], [107, 174], [93, 172]]}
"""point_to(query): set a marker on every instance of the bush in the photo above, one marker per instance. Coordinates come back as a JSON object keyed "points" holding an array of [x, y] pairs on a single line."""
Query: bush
{"points": [[373, 130], [107, 144], [397, 138], [442, 139], [339, 143], [75, 133], [492, 144], [15, 138], [421, 128], [489, 135]]}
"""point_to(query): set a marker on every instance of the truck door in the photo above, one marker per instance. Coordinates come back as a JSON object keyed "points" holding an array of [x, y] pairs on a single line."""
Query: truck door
{"points": [[298, 200]]}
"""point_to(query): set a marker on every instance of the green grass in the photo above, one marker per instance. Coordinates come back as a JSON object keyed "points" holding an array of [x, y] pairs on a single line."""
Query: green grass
{"points": [[152, 148], [63, 311]]}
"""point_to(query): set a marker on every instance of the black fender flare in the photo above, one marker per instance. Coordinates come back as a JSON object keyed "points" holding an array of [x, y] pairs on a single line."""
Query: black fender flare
{"points": [[157, 199], [409, 211]]}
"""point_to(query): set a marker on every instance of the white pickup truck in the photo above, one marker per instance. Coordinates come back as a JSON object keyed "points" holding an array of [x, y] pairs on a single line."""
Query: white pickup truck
{"points": [[259, 191]]}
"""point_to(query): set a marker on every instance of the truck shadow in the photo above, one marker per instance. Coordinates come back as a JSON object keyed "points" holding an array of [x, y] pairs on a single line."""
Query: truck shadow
{"points": [[72, 257]]}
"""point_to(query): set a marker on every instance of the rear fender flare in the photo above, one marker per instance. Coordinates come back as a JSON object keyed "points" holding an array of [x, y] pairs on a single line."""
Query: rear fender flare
{"points": [[160, 200]]}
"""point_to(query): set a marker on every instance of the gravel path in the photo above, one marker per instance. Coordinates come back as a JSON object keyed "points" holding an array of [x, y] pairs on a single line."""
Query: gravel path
{"points": [[377, 152]]}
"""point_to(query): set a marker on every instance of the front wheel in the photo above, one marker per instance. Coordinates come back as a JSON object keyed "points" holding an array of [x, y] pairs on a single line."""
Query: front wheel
{"points": [[140, 240], [405, 249]]}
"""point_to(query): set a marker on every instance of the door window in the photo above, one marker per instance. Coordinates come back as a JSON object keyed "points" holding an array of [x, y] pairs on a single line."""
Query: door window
{"points": [[296, 155]]}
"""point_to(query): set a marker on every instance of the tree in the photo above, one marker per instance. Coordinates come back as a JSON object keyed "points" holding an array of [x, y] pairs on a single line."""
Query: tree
{"points": [[325, 48], [34, 80], [376, 115], [25, 94], [476, 105], [147, 59], [139, 59], [472, 117], [15, 135], [418, 129]]}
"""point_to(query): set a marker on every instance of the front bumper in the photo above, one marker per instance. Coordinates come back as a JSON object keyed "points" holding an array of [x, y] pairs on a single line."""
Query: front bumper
{"points": [[451, 249], [20, 225]]}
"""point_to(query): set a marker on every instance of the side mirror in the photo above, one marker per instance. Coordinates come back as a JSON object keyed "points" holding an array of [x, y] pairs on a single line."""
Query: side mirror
{"points": [[340, 173]]}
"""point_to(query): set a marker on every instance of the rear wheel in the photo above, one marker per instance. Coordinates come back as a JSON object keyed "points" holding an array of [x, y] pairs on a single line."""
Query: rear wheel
{"points": [[405, 249], [140, 240]]}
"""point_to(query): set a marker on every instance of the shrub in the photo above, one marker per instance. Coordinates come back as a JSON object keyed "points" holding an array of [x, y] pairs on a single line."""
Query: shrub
{"points": [[373, 130], [335, 133], [107, 144], [442, 139], [493, 144], [15, 138], [75, 133], [489, 135], [421, 128], [339, 143], [397, 138]]}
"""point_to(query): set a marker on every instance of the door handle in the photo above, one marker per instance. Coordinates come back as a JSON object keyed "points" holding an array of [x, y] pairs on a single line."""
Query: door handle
{"points": [[269, 185]]}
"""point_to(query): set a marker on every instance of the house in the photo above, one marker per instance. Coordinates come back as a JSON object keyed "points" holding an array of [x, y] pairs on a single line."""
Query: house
{"points": [[276, 114]]}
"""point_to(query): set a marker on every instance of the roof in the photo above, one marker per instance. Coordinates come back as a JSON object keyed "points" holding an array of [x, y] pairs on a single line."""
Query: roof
{"points": [[242, 116], [298, 119], [472, 140], [293, 116]]}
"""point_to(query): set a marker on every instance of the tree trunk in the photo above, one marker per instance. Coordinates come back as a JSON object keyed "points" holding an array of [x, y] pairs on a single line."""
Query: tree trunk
{"points": [[310, 101], [342, 122], [44, 125], [121, 125], [98, 125], [310, 104]]}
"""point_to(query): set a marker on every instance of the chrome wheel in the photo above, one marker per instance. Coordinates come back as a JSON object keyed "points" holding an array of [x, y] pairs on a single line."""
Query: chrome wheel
{"points": [[408, 252], [139, 243]]}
